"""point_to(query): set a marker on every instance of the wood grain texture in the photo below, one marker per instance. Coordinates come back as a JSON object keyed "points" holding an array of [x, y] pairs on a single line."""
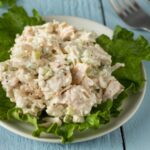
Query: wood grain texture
{"points": [[10, 141], [136, 130], [83, 8]]}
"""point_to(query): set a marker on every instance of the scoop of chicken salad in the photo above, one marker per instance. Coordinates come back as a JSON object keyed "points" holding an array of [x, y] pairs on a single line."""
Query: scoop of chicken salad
{"points": [[60, 69]]}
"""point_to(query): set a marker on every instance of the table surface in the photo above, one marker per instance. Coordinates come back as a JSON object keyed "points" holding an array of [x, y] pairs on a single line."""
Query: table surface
{"points": [[135, 134]]}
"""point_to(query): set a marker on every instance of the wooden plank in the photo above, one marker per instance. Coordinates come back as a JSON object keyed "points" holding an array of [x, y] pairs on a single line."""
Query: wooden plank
{"points": [[82, 8], [136, 130], [10, 141]]}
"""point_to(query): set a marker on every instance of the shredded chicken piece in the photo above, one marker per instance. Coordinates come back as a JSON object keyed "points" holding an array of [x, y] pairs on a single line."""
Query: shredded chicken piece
{"points": [[113, 89], [58, 69], [78, 73]]}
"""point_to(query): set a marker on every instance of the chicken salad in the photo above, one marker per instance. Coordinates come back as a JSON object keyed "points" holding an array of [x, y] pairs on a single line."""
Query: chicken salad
{"points": [[59, 69]]}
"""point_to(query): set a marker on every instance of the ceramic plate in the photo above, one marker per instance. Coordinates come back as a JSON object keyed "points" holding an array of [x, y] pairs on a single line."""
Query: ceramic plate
{"points": [[129, 106]]}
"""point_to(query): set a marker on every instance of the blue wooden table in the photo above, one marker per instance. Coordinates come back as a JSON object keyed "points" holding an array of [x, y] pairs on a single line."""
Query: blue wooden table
{"points": [[135, 134]]}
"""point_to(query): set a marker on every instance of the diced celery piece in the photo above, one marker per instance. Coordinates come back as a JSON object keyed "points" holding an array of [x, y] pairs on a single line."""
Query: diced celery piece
{"points": [[36, 55], [68, 118], [47, 73], [93, 71]]}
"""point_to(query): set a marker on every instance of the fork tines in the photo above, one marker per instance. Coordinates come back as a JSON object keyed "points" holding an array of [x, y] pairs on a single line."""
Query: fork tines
{"points": [[131, 13], [125, 7]]}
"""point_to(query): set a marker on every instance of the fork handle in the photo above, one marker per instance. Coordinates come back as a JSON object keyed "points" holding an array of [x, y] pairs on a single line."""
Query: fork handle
{"points": [[146, 25]]}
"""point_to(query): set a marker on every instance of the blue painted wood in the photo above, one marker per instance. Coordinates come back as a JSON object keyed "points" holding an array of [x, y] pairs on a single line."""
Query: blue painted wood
{"points": [[82, 8], [9, 141], [136, 130]]}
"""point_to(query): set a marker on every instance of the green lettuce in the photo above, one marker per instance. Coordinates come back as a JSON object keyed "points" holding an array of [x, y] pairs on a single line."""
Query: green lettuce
{"points": [[125, 49], [16, 113], [7, 2], [5, 104]]}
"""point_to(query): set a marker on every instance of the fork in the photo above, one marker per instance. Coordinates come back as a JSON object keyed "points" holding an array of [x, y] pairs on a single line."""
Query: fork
{"points": [[132, 14]]}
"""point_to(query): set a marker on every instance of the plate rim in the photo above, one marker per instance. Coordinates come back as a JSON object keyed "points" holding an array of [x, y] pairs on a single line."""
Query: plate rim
{"points": [[50, 140]]}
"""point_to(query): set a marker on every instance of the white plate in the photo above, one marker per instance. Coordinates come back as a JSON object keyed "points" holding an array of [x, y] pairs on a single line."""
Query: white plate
{"points": [[130, 105]]}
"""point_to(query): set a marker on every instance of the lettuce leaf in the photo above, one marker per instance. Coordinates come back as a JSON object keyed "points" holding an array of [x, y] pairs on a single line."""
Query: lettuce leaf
{"points": [[5, 104], [125, 49], [16, 113], [12, 23], [115, 109], [7, 2]]}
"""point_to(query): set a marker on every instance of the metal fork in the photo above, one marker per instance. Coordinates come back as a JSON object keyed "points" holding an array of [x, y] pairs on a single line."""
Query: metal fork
{"points": [[131, 13]]}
